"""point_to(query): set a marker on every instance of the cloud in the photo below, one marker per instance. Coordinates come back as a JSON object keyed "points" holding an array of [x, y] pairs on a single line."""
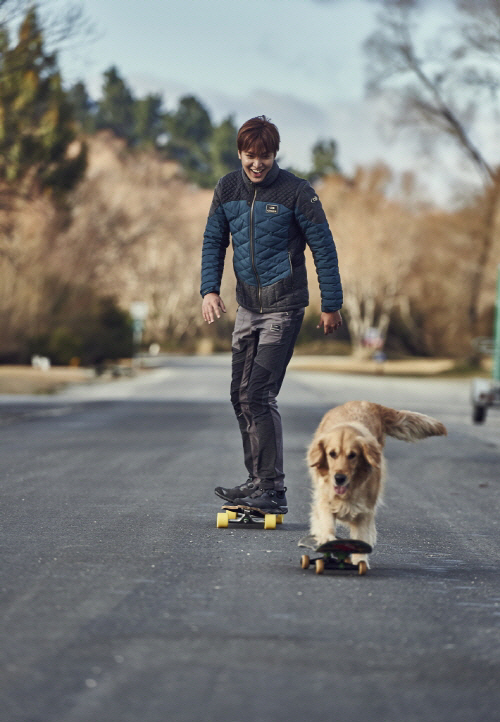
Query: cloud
{"points": [[300, 123], [361, 129]]}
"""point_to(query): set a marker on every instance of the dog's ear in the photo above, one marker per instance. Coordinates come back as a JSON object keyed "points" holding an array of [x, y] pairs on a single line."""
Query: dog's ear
{"points": [[316, 455], [372, 452]]}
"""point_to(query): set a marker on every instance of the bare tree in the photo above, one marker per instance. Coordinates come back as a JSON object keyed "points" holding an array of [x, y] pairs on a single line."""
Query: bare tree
{"points": [[62, 24], [374, 236], [135, 233], [439, 87]]}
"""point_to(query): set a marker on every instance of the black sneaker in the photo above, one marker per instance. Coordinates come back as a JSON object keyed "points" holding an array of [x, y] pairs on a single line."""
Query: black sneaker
{"points": [[267, 501], [237, 492]]}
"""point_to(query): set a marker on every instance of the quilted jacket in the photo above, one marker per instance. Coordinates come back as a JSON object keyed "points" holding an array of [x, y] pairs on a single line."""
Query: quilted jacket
{"points": [[270, 223]]}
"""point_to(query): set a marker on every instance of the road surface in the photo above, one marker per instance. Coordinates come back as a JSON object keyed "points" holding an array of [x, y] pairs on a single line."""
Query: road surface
{"points": [[122, 602]]}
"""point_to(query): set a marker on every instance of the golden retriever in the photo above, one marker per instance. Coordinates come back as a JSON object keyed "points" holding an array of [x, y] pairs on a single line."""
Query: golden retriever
{"points": [[348, 466]]}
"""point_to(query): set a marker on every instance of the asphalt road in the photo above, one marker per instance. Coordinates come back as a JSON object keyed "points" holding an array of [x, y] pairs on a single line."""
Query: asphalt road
{"points": [[122, 602]]}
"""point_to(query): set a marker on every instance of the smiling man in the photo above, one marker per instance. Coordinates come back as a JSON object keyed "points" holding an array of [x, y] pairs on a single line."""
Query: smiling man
{"points": [[256, 164], [270, 215]]}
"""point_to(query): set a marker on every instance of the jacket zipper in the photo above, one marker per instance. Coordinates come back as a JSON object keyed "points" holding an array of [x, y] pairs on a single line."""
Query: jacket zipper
{"points": [[252, 251], [291, 267]]}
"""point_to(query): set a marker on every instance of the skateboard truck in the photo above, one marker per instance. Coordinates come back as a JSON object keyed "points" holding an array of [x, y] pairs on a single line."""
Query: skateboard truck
{"points": [[240, 515]]}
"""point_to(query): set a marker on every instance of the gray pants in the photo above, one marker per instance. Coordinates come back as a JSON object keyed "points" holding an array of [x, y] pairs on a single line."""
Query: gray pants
{"points": [[262, 346]]}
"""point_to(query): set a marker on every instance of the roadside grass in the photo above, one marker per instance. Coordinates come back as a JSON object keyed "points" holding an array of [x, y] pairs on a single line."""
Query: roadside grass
{"points": [[27, 380]]}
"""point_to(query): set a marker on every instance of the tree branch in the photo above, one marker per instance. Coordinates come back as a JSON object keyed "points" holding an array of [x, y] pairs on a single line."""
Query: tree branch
{"points": [[393, 57]]}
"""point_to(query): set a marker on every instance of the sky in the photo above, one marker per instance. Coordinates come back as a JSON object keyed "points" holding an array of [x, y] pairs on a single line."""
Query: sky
{"points": [[299, 62]]}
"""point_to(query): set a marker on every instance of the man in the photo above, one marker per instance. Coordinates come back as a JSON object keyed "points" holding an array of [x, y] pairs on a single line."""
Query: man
{"points": [[271, 215]]}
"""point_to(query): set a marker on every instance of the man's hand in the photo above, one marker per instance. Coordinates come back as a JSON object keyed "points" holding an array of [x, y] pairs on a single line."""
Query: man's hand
{"points": [[330, 321], [212, 306]]}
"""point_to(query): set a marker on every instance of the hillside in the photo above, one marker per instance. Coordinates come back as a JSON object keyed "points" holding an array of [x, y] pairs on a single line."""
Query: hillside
{"points": [[139, 227]]}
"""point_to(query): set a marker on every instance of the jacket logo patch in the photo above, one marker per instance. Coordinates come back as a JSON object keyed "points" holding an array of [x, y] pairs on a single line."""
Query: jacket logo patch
{"points": [[271, 208], [314, 199], [275, 327]]}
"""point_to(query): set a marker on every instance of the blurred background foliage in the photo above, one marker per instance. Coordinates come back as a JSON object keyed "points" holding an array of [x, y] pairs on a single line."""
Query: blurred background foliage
{"points": [[36, 115], [103, 202]]}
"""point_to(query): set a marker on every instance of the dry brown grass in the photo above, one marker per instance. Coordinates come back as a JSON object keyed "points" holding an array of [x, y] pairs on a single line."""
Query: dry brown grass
{"points": [[26, 380], [353, 365]]}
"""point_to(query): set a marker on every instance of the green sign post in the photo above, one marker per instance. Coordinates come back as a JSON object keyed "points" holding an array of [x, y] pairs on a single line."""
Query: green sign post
{"points": [[139, 313]]}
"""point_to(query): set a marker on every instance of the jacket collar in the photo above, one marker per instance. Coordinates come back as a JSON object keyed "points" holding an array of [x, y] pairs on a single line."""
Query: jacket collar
{"points": [[270, 178]]}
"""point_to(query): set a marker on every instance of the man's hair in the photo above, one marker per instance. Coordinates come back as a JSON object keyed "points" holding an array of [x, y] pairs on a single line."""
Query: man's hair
{"points": [[259, 135]]}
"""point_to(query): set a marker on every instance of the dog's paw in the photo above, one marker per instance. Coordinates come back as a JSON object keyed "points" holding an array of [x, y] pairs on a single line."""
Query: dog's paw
{"points": [[325, 539], [356, 558]]}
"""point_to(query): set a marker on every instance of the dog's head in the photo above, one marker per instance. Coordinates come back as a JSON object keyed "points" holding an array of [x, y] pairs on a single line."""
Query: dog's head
{"points": [[343, 456]]}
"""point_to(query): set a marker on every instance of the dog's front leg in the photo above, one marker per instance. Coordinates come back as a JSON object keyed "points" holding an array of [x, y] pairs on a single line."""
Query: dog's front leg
{"points": [[322, 521], [363, 529]]}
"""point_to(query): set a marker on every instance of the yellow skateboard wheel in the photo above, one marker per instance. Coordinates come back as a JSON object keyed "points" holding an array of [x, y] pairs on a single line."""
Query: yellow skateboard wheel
{"points": [[279, 518], [270, 521], [304, 561], [222, 520], [231, 514], [362, 568]]}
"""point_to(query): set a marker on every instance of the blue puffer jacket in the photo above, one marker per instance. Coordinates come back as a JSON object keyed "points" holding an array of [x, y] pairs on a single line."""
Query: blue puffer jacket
{"points": [[270, 223]]}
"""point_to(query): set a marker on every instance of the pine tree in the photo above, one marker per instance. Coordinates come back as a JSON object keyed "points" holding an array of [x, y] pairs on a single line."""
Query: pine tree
{"points": [[116, 107], [83, 107], [149, 119], [324, 159], [190, 130], [36, 118], [223, 149]]}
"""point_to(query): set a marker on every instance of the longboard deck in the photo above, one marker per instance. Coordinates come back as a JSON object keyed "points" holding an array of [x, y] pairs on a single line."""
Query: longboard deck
{"points": [[345, 546], [258, 513], [243, 510]]}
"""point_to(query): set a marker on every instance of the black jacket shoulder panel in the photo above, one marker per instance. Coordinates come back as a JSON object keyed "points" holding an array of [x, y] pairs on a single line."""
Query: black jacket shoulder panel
{"points": [[215, 200], [285, 189], [309, 204], [231, 187]]}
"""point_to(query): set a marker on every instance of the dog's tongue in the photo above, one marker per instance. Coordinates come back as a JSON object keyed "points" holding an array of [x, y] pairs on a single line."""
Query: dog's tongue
{"points": [[340, 490]]}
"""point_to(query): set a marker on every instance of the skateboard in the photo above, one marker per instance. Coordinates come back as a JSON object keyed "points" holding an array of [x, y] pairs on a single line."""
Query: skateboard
{"points": [[336, 554], [235, 514]]}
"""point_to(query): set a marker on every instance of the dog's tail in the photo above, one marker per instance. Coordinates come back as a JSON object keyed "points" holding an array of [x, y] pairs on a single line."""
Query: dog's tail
{"points": [[410, 425]]}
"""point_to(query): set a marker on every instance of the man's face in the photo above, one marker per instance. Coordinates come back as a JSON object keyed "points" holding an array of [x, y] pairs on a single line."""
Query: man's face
{"points": [[256, 165]]}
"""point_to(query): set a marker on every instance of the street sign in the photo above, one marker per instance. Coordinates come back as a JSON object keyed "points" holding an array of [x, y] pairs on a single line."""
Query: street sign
{"points": [[139, 310]]}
